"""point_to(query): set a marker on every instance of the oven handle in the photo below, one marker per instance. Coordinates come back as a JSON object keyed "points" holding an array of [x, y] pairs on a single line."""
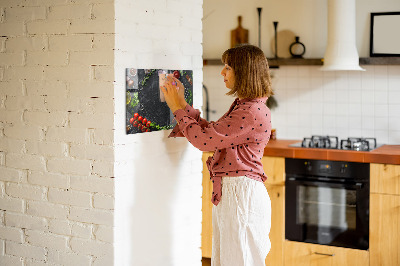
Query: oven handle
{"points": [[357, 185]]}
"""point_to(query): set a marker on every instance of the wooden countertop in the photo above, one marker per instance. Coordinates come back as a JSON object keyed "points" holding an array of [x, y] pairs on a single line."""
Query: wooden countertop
{"points": [[389, 154]]}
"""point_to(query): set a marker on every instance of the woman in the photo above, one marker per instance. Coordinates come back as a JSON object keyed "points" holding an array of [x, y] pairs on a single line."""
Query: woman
{"points": [[242, 208]]}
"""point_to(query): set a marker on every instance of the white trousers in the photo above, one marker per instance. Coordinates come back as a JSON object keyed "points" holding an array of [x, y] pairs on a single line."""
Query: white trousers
{"points": [[241, 223]]}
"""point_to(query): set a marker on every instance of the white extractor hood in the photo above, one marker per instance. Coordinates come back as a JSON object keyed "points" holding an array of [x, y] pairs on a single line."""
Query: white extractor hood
{"points": [[341, 51]]}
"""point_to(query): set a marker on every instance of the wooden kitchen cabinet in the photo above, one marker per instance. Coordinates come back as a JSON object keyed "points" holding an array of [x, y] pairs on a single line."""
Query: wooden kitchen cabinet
{"points": [[274, 168], [305, 254], [384, 237], [206, 225]]}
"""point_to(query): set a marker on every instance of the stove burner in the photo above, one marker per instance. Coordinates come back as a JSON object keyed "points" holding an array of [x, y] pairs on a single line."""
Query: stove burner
{"points": [[328, 142], [358, 144]]}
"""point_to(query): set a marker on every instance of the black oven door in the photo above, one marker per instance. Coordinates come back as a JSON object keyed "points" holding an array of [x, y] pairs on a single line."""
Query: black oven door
{"points": [[327, 212]]}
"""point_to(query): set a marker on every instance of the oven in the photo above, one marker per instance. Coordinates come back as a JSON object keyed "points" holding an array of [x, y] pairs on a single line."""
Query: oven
{"points": [[327, 202]]}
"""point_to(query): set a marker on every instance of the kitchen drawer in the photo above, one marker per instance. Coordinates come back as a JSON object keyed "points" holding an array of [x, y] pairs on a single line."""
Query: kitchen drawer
{"points": [[385, 178], [305, 254], [274, 168]]}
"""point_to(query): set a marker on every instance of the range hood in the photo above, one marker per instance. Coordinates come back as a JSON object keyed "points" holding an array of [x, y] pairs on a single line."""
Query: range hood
{"points": [[341, 51]]}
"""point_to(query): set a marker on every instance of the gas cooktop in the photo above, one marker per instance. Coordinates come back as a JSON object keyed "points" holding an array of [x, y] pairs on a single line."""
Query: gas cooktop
{"points": [[332, 142]]}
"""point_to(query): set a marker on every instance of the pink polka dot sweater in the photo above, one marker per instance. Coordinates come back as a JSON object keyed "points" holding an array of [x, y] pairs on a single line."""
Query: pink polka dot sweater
{"points": [[238, 139]]}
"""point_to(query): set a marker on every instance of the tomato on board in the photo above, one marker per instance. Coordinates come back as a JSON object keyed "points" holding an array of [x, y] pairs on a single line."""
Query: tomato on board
{"points": [[144, 121], [135, 115], [131, 120], [140, 118], [177, 74]]}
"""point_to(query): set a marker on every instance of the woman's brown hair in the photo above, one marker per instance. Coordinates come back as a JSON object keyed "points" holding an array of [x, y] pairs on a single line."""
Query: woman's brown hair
{"points": [[250, 66]]}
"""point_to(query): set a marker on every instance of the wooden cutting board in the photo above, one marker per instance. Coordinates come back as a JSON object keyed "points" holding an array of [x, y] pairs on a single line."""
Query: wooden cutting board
{"points": [[239, 35]]}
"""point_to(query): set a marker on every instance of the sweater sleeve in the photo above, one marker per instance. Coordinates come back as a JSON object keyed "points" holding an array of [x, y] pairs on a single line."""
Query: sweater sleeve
{"points": [[193, 113], [232, 130]]}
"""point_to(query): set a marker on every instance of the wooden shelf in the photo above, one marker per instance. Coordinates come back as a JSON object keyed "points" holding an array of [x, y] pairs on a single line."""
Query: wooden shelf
{"points": [[380, 61], [274, 63]]}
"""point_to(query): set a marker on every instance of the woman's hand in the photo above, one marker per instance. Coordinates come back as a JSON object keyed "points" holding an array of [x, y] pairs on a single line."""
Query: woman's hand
{"points": [[174, 94]]}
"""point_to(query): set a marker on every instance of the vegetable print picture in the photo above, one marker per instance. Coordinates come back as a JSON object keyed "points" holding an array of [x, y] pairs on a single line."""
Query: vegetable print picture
{"points": [[146, 109]]}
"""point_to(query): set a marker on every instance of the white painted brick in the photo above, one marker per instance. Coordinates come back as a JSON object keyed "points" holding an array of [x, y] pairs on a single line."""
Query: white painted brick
{"points": [[103, 202], [64, 134], [25, 191], [68, 258], [60, 227], [45, 2], [92, 151], [104, 73], [91, 247], [104, 169], [95, 216], [24, 132], [2, 191], [25, 161], [11, 233], [69, 166], [47, 88], [46, 240], [70, 12], [102, 136], [3, 44], [11, 116], [12, 204], [104, 233], [71, 42], [97, 105], [46, 209], [11, 88], [92, 58], [93, 184], [82, 230], [107, 259], [191, 48], [103, 11], [11, 59], [12, 29], [11, 260], [24, 13], [21, 43], [69, 197], [10, 174], [91, 26], [66, 73], [46, 118], [28, 73], [32, 262], [46, 58], [56, 149], [25, 103], [56, 103], [48, 179], [25, 250], [2, 158], [99, 120], [2, 222], [25, 221], [103, 41], [44, 27], [91, 89]]}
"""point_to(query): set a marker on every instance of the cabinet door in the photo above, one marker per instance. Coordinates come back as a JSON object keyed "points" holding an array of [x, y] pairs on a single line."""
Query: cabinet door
{"points": [[385, 178], [274, 168], [277, 233], [206, 232], [304, 254], [384, 229]]}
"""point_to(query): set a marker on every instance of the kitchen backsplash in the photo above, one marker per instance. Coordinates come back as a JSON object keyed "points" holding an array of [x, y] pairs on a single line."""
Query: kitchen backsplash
{"points": [[314, 102]]}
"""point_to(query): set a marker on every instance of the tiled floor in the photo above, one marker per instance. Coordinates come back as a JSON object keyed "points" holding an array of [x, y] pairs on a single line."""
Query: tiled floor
{"points": [[206, 261]]}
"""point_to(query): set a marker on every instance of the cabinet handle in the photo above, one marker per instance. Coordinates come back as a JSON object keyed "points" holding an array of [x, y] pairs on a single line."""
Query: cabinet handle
{"points": [[324, 254]]}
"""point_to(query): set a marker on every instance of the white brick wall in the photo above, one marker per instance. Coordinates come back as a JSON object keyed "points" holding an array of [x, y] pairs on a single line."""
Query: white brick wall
{"points": [[56, 132]]}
